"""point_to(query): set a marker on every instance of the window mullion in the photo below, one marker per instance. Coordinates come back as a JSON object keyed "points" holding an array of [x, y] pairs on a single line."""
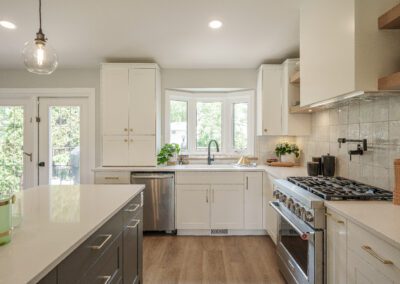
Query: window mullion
{"points": [[191, 125]]}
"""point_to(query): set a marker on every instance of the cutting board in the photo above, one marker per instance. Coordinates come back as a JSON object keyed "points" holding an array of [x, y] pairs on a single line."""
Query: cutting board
{"points": [[281, 164]]}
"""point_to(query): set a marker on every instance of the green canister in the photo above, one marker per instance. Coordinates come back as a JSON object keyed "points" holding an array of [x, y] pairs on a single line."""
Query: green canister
{"points": [[5, 219]]}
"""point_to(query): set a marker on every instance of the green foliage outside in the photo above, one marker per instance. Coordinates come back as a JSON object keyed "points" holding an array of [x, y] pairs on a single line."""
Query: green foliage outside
{"points": [[240, 126], [166, 152], [11, 145], [209, 123], [286, 148], [178, 111], [65, 137]]}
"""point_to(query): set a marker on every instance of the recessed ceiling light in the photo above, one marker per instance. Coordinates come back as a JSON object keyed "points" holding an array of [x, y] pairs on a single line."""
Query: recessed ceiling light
{"points": [[8, 25], [215, 24]]}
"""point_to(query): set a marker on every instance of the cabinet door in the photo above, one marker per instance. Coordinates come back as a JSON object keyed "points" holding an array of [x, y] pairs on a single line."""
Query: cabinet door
{"points": [[142, 151], [227, 207], [361, 272], [115, 151], [115, 100], [131, 252], [336, 248], [271, 217], [253, 201], [142, 115], [193, 207], [270, 98]]}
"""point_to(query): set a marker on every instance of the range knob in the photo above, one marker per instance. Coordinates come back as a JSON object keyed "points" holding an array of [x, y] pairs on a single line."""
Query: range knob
{"points": [[297, 210], [295, 207], [289, 203], [276, 194], [308, 216], [282, 198]]}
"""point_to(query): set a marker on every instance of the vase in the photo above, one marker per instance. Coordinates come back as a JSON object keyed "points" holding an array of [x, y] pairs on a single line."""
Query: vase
{"points": [[288, 158]]}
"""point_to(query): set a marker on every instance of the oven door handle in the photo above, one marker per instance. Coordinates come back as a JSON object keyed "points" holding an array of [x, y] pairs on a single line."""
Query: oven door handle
{"points": [[303, 235]]}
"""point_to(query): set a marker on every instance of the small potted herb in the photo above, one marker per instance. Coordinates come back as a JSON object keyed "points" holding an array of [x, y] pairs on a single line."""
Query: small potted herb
{"points": [[168, 154], [287, 152]]}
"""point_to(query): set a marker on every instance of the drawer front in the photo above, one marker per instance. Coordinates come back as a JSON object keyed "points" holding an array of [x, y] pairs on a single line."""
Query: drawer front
{"points": [[112, 177], [374, 250], [80, 260], [108, 268], [133, 209], [210, 178]]}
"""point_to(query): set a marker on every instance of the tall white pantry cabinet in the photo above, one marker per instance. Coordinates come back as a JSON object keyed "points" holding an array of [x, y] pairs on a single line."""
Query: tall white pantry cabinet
{"points": [[131, 106]]}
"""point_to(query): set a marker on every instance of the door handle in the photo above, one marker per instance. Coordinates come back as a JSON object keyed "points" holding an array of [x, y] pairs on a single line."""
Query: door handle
{"points": [[41, 164], [29, 155]]}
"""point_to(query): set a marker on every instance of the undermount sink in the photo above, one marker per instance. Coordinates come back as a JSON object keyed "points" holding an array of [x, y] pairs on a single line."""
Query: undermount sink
{"points": [[204, 166]]}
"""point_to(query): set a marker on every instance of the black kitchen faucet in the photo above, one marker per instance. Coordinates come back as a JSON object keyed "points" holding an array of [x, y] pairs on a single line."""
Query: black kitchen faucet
{"points": [[360, 150]]}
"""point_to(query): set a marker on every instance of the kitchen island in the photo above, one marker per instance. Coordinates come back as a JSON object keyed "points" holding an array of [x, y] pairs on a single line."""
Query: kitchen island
{"points": [[68, 232]]}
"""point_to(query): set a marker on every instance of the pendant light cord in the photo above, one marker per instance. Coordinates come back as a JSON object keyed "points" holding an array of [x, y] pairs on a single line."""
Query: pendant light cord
{"points": [[40, 15]]}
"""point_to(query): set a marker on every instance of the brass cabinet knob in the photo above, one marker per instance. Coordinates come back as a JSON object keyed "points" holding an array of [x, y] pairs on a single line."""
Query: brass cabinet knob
{"points": [[131, 129], [125, 140], [125, 129], [265, 130]]}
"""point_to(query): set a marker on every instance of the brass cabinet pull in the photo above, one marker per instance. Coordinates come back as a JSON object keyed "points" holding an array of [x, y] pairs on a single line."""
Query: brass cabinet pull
{"points": [[106, 237], [106, 278], [111, 178], [134, 226], [132, 210], [369, 250], [207, 196], [247, 183], [336, 220]]}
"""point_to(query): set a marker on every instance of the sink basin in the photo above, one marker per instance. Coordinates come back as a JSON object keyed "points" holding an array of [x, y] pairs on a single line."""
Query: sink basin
{"points": [[205, 166]]}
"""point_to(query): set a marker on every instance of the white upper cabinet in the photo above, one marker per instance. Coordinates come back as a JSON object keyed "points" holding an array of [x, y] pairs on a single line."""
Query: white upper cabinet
{"points": [[275, 96], [142, 111], [131, 99], [115, 96], [341, 48]]}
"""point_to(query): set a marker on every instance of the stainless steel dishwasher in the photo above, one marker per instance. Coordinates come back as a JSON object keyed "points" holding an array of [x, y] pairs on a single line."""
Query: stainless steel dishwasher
{"points": [[159, 200]]}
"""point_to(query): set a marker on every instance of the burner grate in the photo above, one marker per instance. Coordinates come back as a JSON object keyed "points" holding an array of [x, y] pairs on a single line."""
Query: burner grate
{"points": [[338, 188]]}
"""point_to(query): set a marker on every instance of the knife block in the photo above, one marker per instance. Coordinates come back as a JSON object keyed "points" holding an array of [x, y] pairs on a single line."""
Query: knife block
{"points": [[396, 193]]}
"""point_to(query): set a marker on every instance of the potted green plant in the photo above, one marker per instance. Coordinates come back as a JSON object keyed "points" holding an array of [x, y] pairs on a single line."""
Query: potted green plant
{"points": [[168, 154], [287, 152]]}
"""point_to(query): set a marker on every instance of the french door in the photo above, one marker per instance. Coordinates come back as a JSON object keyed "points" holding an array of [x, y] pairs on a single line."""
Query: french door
{"points": [[16, 148], [63, 141]]}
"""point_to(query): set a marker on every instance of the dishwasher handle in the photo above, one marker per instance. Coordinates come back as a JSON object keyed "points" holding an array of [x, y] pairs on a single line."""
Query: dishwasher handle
{"points": [[150, 176]]}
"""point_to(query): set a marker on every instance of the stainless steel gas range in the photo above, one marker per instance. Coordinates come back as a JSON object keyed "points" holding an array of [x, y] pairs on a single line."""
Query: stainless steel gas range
{"points": [[301, 226]]}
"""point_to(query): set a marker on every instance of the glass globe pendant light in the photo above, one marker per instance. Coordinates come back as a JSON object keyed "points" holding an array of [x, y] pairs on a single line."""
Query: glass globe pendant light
{"points": [[39, 56]]}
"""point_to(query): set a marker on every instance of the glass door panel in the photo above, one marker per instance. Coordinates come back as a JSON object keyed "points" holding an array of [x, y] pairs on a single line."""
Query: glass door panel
{"points": [[63, 141], [11, 148], [64, 146]]}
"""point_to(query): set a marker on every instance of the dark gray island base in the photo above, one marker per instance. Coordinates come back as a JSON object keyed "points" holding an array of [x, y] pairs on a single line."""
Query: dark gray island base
{"points": [[113, 254]]}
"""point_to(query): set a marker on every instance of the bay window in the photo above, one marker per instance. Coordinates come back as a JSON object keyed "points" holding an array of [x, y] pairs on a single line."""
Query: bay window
{"points": [[195, 118]]}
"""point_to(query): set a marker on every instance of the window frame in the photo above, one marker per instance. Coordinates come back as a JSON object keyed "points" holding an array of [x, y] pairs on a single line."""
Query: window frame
{"points": [[228, 99]]}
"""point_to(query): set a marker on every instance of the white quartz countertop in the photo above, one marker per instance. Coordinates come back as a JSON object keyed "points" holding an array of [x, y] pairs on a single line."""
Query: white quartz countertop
{"points": [[56, 220], [381, 218], [277, 172]]}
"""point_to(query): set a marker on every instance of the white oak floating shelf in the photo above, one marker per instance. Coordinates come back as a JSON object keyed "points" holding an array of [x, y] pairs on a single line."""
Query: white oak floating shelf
{"points": [[391, 82], [391, 19], [295, 78], [299, 109]]}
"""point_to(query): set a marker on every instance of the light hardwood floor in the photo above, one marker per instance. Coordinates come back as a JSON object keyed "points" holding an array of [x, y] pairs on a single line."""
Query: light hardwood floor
{"points": [[178, 259]]}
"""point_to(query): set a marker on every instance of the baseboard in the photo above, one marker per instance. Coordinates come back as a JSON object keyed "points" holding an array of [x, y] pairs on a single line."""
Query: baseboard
{"points": [[191, 232]]}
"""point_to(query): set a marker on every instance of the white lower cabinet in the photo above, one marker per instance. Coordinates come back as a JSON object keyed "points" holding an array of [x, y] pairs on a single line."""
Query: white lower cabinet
{"points": [[193, 206], [336, 248], [270, 216], [253, 194], [226, 207], [219, 200], [362, 272], [356, 256]]}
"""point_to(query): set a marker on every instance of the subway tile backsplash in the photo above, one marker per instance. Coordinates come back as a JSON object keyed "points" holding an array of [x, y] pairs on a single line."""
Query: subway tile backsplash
{"points": [[378, 121]]}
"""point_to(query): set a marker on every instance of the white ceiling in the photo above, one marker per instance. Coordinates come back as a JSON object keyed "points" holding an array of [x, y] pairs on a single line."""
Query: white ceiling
{"points": [[174, 33]]}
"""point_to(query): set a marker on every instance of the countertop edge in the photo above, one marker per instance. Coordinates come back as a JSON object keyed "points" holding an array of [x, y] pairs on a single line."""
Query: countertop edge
{"points": [[57, 261], [370, 229]]}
